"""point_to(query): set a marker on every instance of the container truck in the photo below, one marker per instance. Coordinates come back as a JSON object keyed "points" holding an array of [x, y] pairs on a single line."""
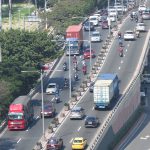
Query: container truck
{"points": [[74, 40], [106, 88], [20, 113]]}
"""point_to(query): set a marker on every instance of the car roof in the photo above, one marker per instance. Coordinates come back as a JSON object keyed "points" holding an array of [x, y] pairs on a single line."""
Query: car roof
{"points": [[128, 31], [96, 32], [77, 108], [78, 138], [52, 84], [140, 23]]}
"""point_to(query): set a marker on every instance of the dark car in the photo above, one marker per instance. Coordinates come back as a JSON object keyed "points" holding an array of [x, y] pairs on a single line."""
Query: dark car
{"points": [[91, 87], [54, 144], [49, 110], [91, 121], [87, 54], [105, 24], [88, 26]]}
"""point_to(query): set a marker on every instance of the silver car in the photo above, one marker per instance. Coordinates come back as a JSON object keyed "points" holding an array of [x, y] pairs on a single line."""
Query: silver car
{"points": [[77, 113]]}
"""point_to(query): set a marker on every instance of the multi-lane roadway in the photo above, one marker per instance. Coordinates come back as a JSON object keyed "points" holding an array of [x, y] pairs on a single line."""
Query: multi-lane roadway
{"points": [[27, 139], [124, 67]]}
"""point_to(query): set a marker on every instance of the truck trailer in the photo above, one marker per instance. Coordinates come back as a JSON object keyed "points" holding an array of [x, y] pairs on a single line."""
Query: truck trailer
{"points": [[74, 40], [106, 88], [20, 113]]}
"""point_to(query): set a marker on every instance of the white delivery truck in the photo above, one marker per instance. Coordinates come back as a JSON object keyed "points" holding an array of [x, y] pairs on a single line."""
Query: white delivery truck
{"points": [[105, 89]]}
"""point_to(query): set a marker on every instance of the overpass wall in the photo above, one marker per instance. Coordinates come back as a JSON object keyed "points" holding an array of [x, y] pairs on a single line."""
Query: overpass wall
{"points": [[125, 111]]}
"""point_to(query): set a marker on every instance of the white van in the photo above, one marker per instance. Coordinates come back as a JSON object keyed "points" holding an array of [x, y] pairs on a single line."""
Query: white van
{"points": [[94, 20]]}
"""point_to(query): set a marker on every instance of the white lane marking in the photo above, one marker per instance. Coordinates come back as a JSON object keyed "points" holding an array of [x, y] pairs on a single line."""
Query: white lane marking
{"points": [[93, 108], [126, 50], [124, 55], [119, 68], [121, 61], [37, 117], [143, 138], [79, 128], [19, 140], [128, 45], [71, 140], [147, 136], [3, 132]]}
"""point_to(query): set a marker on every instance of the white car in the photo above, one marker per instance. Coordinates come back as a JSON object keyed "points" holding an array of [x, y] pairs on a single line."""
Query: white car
{"points": [[129, 35], [52, 88], [77, 113], [140, 27], [95, 37], [99, 16], [142, 8], [94, 20], [112, 18]]}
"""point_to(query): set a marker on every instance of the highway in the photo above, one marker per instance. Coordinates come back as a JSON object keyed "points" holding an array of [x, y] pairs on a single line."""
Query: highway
{"points": [[25, 140], [124, 67]]}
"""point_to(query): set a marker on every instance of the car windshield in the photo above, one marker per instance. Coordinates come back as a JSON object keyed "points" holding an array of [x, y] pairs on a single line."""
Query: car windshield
{"points": [[93, 18], [47, 107], [77, 141], [141, 24], [51, 86], [95, 34], [129, 32], [90, 118], [15, 116], [53, 141], [88, 23]]}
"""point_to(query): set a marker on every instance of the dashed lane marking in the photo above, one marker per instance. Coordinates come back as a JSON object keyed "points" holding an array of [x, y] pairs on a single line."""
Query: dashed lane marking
{"points": [[19, 140], [126, 50], [121, 61], [128, 45], [93, 108], [71, 140], [79, 128], [119, 68]]}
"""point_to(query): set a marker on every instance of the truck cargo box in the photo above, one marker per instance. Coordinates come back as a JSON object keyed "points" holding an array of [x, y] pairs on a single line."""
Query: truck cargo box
{"points": [[105, 89]]}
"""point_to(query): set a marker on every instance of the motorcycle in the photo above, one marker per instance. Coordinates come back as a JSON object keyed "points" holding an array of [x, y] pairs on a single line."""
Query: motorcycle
{"points": [[84, 70], [65, 67], [137, 34], [121, 54], [56, 98], [136, 19], [76, 77]]}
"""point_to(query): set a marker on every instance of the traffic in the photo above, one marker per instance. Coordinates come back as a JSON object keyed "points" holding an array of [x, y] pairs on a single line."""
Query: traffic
{"points": [[104, 92]]}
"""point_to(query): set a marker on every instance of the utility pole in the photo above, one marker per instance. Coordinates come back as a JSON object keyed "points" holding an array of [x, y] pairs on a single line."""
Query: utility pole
{"points": [[0, 52], [0, 15], [10, 14]]}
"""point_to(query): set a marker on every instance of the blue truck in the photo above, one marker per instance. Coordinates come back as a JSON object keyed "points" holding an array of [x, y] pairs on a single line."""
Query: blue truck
{"points": [[106, 88]]}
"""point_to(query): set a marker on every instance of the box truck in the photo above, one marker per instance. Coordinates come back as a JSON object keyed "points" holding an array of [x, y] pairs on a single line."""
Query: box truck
{"points": [[20, 113], [74, 40], [106, 88]]}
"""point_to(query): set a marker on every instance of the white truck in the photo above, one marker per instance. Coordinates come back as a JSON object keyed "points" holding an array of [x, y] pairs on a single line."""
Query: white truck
{"points": [[106, 88]]}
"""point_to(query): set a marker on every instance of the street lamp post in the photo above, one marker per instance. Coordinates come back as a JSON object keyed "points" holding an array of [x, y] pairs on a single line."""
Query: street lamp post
{"points": [[109, 22], [19, 19], [42, 98], [90, 45], [0, 15]]}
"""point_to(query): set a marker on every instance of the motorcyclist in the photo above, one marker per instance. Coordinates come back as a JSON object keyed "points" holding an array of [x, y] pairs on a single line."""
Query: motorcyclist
{"points": [[136, 18], [75, 67], [65, 66], [131, 16], [75, 76], [66, 82], [84, 69], [119, 34], [120, 49], [74, 59], [137, 33], [120, 42]]}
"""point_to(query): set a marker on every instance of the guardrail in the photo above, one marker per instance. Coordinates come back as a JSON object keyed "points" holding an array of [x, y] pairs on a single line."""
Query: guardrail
{"points": [[139, 69]]}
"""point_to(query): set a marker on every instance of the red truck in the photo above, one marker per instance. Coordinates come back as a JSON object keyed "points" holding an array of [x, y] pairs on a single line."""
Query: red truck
{"points": [[74, 39], [20, 113]]}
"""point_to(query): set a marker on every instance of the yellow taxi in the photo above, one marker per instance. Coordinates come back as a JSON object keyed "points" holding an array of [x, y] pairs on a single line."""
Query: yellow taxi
{"points": [[79, 143]]}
